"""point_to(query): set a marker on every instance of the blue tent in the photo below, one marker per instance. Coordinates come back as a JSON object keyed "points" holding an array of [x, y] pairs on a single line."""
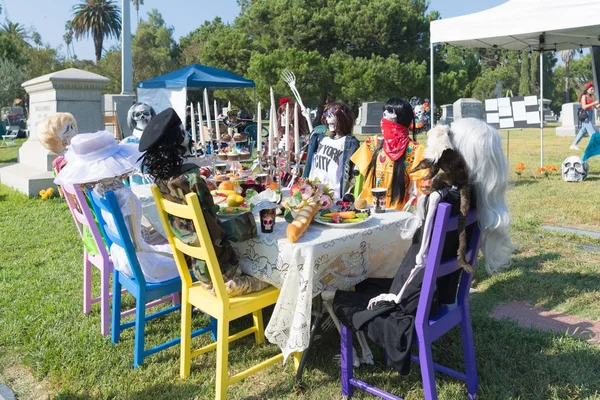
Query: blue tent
{"points": [[197, 76]]}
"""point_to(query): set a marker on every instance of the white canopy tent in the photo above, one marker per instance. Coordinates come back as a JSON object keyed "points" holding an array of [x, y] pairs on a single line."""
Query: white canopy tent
{"points": [[523, 25]]}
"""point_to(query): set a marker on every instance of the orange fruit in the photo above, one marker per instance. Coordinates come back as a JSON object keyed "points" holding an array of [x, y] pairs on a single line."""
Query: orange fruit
{"points": [[226, 186], [273, 186]]}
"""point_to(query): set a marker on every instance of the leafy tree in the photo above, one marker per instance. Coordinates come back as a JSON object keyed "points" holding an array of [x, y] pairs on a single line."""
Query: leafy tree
{"points": [[11, 77], [41, 61], [11, 49], [99, 19], [37, 39], [525, 77]]}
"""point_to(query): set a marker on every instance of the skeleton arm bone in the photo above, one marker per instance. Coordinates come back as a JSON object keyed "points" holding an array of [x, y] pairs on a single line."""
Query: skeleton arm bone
{"points": [[421, 258]]}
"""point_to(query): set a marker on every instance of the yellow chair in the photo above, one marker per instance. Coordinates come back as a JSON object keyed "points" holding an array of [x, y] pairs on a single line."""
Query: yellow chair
{"points": [[219, 305]]}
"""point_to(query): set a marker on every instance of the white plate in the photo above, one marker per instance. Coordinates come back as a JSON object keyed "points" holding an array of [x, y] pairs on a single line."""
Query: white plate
{"points": [[342, 225]]}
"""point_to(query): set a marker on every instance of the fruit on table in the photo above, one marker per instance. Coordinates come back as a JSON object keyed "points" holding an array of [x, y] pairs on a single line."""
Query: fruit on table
{"points": [[273, 186], [360, 204], [348, 197], [205, 171], [234, 200], [343, 215], [226, 185]]}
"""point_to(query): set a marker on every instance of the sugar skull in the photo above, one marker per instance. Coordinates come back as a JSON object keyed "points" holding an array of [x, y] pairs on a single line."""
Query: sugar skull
{"points": [[390, 115], [419, 111], [574, 169], [139, 115]]}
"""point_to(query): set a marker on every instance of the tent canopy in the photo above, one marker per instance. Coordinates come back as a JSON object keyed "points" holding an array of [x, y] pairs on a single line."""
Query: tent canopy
{"points": [[197, 76], [523, 25]]}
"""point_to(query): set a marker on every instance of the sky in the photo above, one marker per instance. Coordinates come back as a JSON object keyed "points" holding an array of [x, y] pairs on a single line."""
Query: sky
{"points": [[48, 17]]}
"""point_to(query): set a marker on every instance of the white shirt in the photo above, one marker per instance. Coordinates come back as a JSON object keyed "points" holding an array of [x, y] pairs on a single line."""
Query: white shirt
{"points": [[327, 163]]}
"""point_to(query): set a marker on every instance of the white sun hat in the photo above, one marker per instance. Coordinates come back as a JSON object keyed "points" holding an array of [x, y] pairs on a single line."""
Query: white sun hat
{"points": [[96, 156]]}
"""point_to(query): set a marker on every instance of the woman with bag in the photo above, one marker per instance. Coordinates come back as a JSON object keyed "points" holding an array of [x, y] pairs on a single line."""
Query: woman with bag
{"points": [[587, 103]]}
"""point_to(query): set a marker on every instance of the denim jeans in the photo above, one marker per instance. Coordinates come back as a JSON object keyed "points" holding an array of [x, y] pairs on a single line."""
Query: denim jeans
{"points": [[586, 126]]}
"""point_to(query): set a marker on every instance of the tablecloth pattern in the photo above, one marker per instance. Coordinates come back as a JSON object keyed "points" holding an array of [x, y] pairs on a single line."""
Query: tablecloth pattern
{"points": [[325, 258]]}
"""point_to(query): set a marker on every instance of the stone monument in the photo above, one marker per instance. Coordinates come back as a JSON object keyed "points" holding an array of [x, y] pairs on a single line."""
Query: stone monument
{"points": [[467, 108], [447, 114], [370, 118], [71, 90], [568, 117]]}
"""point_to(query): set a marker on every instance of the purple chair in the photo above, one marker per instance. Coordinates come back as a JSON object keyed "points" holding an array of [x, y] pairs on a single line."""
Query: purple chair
{"points": [[84, 220], [429, 328]]}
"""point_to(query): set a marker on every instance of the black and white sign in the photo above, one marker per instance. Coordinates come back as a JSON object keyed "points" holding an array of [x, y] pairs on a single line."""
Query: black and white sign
{"points": [[513, 112]]}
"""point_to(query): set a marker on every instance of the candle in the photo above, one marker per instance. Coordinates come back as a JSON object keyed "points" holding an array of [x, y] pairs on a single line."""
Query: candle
{"points": [[296, 131], [193, 123], [271, 124], [258, 130], [217, 125], [199, 125], [229, 106], [207, 108], [287, 127]]}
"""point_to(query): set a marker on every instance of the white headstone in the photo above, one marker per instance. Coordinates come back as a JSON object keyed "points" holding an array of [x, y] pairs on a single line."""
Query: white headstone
{"points": [[71, 90], [370, 118], [447, 114], [467, 108], [568, 116]]}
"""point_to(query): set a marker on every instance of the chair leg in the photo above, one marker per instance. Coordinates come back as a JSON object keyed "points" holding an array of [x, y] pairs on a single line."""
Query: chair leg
{"points": [[116, 313], [427, 371], [259, 335], [297, 357], [140, 327], [222, 374], [175, 299], [87, 284], [186, 338], [346, 361], [213, 329], [105, 300], [466, 331]]}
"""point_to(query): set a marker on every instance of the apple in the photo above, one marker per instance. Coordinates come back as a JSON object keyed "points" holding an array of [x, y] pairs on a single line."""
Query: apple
{"points": [[294, 189]]}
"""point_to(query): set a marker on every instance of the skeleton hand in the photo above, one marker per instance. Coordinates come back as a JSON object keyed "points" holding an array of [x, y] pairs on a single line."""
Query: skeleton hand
{"points": [[381, 297]]}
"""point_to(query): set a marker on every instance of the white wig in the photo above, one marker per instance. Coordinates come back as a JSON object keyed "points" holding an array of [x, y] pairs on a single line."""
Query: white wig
{"points": [[481, 146]]}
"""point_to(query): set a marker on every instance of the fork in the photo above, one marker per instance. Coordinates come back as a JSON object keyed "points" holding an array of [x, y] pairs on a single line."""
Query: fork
{"points": [[289, 77]]}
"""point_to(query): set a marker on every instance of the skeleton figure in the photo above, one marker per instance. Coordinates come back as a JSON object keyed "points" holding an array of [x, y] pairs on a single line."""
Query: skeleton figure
{"points": [[574, 169], [138, 117], [419, 112]]}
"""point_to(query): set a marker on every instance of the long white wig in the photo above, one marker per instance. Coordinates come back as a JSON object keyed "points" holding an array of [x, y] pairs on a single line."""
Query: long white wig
{"points": [[481, 147]]}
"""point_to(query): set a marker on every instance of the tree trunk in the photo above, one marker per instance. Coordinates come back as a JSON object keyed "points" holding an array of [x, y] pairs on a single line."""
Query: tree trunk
{"points": [[567, 96], [98, 39]]}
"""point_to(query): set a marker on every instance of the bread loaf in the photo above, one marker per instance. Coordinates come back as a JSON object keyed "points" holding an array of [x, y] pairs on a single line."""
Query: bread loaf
{"points": [[305, 215]]}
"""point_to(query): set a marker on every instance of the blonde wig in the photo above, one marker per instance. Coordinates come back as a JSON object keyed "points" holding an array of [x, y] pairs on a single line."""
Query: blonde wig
{"points": [[51, 129]]}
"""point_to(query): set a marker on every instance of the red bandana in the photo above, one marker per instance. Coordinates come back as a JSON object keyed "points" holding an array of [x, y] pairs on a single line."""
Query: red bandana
{"points": [[395, 138]]}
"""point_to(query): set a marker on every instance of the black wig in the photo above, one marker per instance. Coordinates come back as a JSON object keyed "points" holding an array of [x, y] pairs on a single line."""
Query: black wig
{"points": [[404, 116], [164, 159]]}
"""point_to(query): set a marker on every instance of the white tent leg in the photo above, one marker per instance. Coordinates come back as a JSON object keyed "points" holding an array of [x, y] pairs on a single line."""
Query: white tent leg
{"points": [[541, 109], [431, 102]]}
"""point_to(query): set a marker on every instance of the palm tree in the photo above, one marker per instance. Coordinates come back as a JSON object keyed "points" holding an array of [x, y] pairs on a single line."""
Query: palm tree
{"points": [[15, 30], [567, 56], [68, 38], [97, 18], [137, 4], [37, 39]]}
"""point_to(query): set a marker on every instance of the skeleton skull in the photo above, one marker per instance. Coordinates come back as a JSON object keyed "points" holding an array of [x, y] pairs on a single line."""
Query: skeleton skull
{"points": [[419, 112], [331, 122], [139, 115], [67, 133], [574, 169], [390, 115]]}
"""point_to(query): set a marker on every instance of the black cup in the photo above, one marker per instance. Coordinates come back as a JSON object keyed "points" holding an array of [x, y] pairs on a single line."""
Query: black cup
{"points": [[379, 199], [267, 220]]}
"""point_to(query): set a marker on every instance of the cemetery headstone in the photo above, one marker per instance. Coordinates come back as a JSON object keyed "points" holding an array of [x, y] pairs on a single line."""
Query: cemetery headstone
{"points": [[370, 114], [467, 108]]}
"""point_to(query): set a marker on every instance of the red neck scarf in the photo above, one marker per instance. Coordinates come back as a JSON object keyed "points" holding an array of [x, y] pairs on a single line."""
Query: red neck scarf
{"points": [[395, 138]]}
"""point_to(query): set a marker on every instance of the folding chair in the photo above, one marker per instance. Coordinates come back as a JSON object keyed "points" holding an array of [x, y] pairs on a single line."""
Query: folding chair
{"points": [[137, 286], [430, 328], [219, 305], [10, 135]]}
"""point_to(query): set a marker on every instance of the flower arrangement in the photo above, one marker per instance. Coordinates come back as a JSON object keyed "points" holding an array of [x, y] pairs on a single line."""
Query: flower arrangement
{"points": [[46, 194], [547, 170], [519, 168], [310, 191]]}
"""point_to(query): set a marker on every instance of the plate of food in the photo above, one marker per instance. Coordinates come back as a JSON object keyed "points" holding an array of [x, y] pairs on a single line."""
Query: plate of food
{"points": [[340, 219], [228, 212]]}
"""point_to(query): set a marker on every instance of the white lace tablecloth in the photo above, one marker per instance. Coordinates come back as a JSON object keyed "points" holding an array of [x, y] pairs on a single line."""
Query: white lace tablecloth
{"points": [[325, 258]]}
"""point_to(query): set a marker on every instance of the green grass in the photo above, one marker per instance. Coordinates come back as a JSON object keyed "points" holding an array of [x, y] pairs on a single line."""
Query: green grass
{"points": [[43, 329]]}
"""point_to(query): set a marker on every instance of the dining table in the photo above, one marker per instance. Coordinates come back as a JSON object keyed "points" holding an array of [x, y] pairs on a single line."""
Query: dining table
{"points": [[326, 258]]}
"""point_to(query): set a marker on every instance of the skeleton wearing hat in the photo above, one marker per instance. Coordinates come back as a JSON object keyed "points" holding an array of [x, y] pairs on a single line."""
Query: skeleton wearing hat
{"points": [[55, 134]]}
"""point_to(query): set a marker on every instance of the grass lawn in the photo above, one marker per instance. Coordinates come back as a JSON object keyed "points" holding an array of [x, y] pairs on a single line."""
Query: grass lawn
{"points": [[49, 348]]}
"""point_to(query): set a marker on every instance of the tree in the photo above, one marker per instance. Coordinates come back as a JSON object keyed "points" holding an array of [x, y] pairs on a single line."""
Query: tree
{"points": [[99, 19], [41, 61], [567, 56], [68, 38], [15, 30], [11, 77], [137, 4], [37, 39], [525, 77]]}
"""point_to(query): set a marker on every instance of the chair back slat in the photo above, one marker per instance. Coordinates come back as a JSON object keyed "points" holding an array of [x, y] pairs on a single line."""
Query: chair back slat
{"points": [[204, 251], [83, 216], [121, 238], [435, 268]]}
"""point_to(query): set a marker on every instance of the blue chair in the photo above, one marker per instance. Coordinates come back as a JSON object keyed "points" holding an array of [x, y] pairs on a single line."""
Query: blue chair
{"points": [[137, 286]]}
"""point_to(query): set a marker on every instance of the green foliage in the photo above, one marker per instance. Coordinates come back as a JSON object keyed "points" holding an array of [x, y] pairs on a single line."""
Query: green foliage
{"points": [[41, 61], [11, 77], [99, 19]]}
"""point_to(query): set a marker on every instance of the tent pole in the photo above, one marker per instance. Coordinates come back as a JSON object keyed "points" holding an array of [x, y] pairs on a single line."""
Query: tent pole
{"points": [[432, 103], [541, 109]]}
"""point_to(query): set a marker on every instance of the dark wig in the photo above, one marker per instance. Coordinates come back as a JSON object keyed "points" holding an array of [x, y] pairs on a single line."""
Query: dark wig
{"points": [[404, 116], [343, 114], [164, 159]]}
